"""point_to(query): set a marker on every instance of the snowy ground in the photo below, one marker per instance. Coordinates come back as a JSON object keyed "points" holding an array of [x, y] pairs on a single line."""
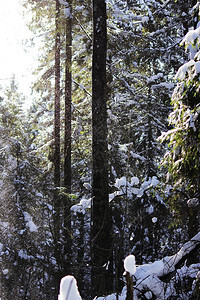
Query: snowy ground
{"points": [[147, 277]]}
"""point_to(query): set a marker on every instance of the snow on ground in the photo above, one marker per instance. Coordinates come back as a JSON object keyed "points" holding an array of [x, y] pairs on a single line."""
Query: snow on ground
{"points": [[147, 276]]}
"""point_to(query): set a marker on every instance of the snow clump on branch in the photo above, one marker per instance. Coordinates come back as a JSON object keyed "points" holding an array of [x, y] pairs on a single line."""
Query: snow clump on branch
{"points": [[69, 289]]}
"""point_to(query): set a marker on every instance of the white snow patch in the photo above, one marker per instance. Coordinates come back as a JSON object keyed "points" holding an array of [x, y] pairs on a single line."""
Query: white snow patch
{"points": [[120, 182], [154, 219], [69, 289], [82, 206], [197, 67], [86, 203], [134, 180], [150, 209], [113, 195], [137, 156], [30, 223], [12, 163], [154, 181], [184, 69], [145, 19], [67, 12], [4, 224], [23, 253], [39, 195], [166, 85], [191, 36], [148, 275], [129, 264], [79, 8], [148, 295], [156, 267], [87, 186], [197, 55], [5, 271], [155, 77], [63, 2]]}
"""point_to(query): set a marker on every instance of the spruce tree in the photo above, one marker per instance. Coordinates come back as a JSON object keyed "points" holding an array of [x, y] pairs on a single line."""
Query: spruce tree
{"points": [[101, 226]]}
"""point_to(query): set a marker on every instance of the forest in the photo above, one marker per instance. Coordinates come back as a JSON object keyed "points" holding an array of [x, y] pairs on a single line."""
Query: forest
{"points": [[100, 176]]}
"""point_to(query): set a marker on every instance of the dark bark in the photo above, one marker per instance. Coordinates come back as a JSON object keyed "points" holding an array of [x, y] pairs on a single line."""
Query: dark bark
{"points": [[100, 219], [67, 142], [129, 284], [80, 253], [57, 136], [57, 100], [68, 87]]}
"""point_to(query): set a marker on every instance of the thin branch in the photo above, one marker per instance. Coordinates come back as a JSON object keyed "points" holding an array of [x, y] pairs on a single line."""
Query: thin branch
{"points": [[82, 28], [82, 87]]}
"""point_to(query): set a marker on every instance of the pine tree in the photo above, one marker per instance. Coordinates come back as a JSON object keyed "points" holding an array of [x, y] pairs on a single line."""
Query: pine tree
{"points": [[182, 159], [57, 159], [67, 141], [101, 230]]}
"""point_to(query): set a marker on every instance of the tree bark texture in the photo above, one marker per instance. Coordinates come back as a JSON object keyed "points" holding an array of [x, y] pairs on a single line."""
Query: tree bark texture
{"points": [[67, 141], [57, 136], [68, 99], [57, 99], [101, 224], [129, 284]]}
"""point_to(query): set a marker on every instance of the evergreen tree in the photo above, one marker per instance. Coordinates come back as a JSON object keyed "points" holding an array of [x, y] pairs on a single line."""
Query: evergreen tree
{"points": [[67, 139], [56, 159], [182, 158], [101, 226], [26, 256]]}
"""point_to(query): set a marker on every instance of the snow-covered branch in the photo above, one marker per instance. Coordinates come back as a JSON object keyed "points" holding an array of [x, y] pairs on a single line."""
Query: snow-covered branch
{"points": [[170, 262], [148, 276]]}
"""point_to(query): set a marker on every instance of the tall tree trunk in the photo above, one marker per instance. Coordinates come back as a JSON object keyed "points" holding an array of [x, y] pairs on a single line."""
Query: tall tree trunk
{"points": [[68, 64], [67, 141], [57, 134], [101, 275]]}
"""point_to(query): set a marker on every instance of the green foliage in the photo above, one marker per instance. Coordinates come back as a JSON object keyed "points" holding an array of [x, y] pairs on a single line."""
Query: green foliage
{"points": [[182, 158]]}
